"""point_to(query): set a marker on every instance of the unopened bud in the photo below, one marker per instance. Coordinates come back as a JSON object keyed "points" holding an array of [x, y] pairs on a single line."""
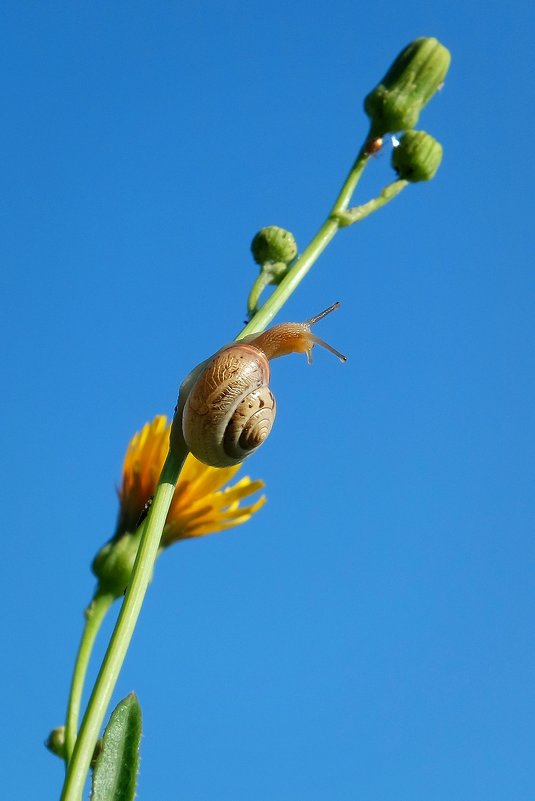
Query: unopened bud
{"points": [[274, 244], [417, 156], [55, 742], [409, 84], [114, 562]]}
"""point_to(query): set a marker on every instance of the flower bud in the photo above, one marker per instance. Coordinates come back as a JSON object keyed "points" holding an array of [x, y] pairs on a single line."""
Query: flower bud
{"points": [[417, 156], [409, 84], [114, 562], [55, 742], [273, 244]]}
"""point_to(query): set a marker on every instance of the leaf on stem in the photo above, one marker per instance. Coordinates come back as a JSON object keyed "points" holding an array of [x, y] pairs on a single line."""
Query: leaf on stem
{"points": [[115, 773]]}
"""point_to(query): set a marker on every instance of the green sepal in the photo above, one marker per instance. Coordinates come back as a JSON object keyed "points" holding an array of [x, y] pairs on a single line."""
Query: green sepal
{"points": [[114, 562], [417, 156], [410, 83], [116, 768]]}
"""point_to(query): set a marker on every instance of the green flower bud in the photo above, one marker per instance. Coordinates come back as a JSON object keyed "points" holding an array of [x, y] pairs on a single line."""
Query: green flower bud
{"points": [[417, 157], [409, 84], [273, 244], [114, 562], [55, 742]]}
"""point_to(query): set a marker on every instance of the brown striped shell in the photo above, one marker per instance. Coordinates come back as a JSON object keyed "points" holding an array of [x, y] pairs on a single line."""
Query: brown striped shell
{"points": [[230, 409]]}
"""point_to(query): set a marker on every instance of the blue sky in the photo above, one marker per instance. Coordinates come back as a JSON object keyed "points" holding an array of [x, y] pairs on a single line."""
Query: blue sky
{"points": [[370, 634]]}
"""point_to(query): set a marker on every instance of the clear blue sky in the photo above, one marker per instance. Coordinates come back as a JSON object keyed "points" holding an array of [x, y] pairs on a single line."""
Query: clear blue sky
{"points": [[370, 635]]}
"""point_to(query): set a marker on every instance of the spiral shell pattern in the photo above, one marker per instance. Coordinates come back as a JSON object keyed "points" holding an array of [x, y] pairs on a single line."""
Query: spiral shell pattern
{"points": [[230, 409]]}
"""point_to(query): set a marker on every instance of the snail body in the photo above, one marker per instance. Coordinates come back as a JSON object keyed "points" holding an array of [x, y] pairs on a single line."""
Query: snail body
{"points": [[226, 408]]}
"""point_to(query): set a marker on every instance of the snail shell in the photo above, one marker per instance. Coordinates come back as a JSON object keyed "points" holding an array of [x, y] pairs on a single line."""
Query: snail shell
{"points": [[230, 409]]}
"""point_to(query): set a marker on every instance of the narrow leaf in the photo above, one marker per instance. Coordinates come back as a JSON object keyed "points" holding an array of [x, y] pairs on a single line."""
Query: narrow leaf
{"points": [[115, 773]]}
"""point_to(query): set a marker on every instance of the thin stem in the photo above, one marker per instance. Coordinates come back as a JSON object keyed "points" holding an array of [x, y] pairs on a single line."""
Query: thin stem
{"points": [[358, 213], [350, 184], [94, 615], [290, 282], [124, 629], [262, 281], [84, 745]]}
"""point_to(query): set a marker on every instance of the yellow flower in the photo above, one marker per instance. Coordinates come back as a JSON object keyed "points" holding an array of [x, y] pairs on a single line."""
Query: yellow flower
{"points": [[200, 504]]}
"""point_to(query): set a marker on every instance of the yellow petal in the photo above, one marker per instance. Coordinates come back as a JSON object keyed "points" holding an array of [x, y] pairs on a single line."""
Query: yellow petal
{"points": [[201, 503]]}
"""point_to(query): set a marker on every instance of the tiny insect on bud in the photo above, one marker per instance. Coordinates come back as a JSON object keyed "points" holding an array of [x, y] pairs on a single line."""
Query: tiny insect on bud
{"points": [[373, 146], [417, 156], [410, 83]]}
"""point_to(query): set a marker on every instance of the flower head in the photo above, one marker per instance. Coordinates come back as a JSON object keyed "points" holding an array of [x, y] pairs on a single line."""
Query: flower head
{"points": [[201, 503]]}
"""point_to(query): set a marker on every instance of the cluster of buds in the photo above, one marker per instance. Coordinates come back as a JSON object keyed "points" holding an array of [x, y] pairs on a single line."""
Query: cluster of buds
{"points": [[396, 102]]}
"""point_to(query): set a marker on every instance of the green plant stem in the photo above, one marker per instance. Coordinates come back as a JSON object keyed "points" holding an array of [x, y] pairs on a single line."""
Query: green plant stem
{"points": [[263, 280], [94, 615], [360, 212], [141, 574], [330, 227], [84, 744], [350, 183]]}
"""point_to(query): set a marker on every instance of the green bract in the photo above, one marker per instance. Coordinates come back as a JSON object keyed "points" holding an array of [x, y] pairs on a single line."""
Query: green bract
{"points": [[417, 157], [409, 84]]}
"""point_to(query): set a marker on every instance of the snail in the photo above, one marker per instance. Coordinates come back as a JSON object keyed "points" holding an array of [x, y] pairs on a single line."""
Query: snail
{"points": [[226, 409]]}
